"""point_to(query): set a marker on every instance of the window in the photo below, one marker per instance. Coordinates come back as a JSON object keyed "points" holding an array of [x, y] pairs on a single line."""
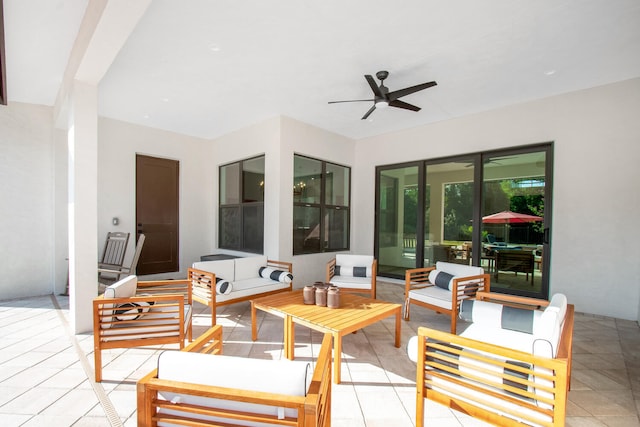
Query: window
{"points": [[321, 192], [241, 219]]}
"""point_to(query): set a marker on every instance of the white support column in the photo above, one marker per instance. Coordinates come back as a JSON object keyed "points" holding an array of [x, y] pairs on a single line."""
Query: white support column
{"points": [[83, 204]]}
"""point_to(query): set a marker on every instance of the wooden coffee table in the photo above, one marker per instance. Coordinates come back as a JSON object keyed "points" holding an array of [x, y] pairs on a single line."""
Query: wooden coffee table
{"points": [[355, 312]]}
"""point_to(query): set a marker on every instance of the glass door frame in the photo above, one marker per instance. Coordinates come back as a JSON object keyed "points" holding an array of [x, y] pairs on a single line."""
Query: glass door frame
{"points": [[478, 160], [420, 202], [547, 148]]}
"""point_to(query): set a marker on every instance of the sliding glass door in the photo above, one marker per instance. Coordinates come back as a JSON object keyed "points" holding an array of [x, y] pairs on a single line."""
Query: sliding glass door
{"points": [[489, 209], [515, 220], [397, 207], [448, 211]]}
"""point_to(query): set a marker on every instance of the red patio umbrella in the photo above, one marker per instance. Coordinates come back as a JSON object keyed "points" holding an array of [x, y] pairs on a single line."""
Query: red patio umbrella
{"points": [[509, 217]]}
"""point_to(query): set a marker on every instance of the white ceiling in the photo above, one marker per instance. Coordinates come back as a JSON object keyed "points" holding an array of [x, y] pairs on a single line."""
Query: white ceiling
{"points": [[206, 68]]}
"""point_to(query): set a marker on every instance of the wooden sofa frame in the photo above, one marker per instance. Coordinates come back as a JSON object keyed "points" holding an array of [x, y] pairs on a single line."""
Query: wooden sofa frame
{"points": [[207, 295], [436, 372], [418, 278], [171, 295], [314, 409]]}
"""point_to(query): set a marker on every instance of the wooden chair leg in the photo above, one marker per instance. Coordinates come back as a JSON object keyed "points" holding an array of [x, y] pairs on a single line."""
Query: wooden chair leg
{"points": [[97, 358]]}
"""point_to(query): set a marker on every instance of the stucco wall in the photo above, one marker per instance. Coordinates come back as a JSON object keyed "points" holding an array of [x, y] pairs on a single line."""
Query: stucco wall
{"points": [[26, 192], [278, 139], [118, 144]]}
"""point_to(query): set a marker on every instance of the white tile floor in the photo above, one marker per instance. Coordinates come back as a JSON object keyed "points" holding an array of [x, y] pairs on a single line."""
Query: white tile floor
{"points": [[46, 374]]}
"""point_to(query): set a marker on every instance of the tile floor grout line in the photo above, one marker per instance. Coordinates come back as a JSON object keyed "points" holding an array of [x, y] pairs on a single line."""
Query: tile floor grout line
{"points": [[103, 398]]}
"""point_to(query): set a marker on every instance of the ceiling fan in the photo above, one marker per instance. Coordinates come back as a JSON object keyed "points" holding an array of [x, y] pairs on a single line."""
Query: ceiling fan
{"points": [[383, 98]]}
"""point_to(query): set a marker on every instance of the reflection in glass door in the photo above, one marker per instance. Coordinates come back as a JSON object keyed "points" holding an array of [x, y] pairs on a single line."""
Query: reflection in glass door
{"points": [[448, 206], [397, 219], [514, 222]]}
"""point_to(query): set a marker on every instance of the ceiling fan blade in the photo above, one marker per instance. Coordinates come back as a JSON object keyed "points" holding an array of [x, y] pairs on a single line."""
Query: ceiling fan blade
{"points": [[374, 87], [368, 113], [401, 104], [352, 100], [409, 90]]}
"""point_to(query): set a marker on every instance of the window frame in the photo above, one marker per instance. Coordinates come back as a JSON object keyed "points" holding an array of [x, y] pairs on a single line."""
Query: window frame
{"points": [[241, 205], [325, 209]]}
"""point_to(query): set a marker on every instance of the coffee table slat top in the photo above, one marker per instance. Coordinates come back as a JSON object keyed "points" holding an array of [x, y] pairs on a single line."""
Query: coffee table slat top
{"points": [[352, 308]]}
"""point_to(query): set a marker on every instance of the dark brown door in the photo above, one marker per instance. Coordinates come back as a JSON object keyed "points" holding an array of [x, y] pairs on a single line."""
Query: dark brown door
{"points": [[157, 213]]}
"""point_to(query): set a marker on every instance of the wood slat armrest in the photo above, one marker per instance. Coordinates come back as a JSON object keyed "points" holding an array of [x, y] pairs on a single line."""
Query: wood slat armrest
{"points": [[210, 342], [168, 315], [161, 287], [330, 271], [460, 289], [416, 278], [532, 303], [280, 265]]}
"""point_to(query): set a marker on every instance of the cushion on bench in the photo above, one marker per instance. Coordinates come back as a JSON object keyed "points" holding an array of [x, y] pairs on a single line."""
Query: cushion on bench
{"points": [[248, 287], [272, 376], [534, 331], [445, 272], [348, 265], [123, 288], [433, 295], [223, 269], [249, 267], [499, 316], [274, 274]]}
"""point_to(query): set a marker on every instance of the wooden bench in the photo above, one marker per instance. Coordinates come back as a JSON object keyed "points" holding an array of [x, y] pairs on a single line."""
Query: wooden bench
{"points": [[216, 402], [203, 275]]}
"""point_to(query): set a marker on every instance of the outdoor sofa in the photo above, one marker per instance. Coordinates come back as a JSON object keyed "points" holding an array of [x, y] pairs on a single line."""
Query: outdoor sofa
{"points": [[229, 281], [200, 386], [510, 367]]}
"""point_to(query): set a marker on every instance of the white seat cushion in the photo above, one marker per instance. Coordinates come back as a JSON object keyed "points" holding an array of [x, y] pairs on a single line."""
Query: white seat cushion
{"points": [[272, 376], [248, 287], [347, 262], [351, 282], [432, 295]]}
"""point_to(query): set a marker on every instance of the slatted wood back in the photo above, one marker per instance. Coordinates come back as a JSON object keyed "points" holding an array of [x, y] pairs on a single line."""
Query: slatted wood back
{"points": [[115, 248]]}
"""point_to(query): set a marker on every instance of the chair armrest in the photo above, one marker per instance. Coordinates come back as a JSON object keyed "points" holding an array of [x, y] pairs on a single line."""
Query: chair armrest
{"points": [[163, 287], [416, 278], [514, 300], [103, 312], [210, 342], [280, 265], [331, 270], [468, 287]]}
